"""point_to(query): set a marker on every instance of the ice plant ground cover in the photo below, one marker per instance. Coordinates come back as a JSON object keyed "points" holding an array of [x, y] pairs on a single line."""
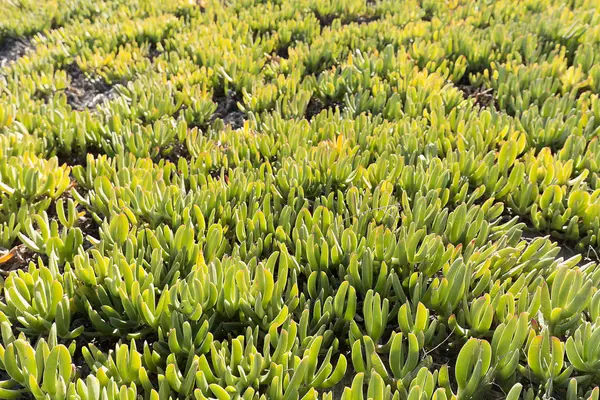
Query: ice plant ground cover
{"points": [[315, 199]]}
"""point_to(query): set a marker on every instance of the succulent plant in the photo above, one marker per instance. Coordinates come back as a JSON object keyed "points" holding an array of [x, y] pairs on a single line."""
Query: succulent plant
{"points": [[302, 199]]}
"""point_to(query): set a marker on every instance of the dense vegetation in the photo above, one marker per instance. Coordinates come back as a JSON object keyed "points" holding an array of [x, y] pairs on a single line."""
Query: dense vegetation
{"points": [[308, 199]]}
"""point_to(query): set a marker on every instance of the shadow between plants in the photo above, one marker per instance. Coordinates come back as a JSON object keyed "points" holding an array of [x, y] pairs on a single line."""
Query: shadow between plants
{"points": [[153, 52], [21, 257], [325, 20], [86, 92], [12, 49], [484, 97], [228, 111], [315, 106], [361, 19]]}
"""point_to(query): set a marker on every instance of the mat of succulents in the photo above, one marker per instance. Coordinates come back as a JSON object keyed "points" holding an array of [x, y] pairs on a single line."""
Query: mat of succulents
{"points": [[299, 199]]}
